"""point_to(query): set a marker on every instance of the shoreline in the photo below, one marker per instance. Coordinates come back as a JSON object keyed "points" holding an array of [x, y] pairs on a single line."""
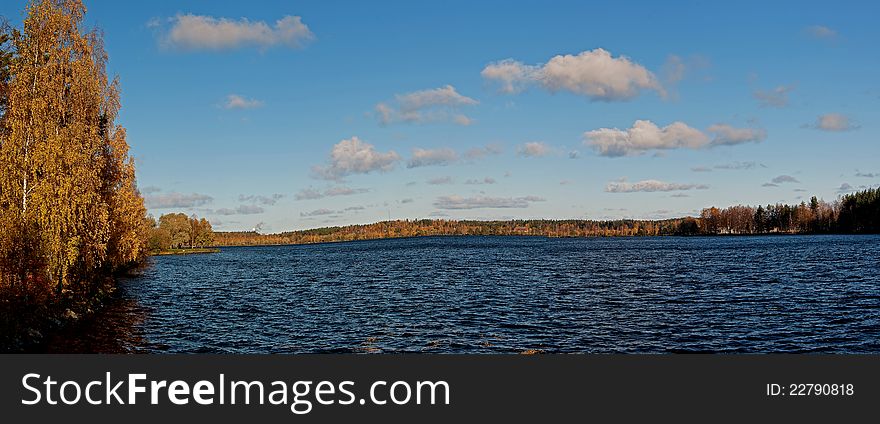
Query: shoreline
{"points": [[193, 251], [776, 234]]}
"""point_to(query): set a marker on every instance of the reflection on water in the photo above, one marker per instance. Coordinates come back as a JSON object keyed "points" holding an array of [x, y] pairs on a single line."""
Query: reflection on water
{"points": [[504, 294], [114, 329]]}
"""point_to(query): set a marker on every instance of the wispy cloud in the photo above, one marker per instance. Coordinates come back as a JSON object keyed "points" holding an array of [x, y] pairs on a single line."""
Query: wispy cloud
{"points": [[534, 149], [867, 174], [240, 210], [432, 105], [776, 97], [484, 202], [481, 152], [312, 194], [200, 32], [623, 186], [263, 200], [595, 74], [726, 135], [317, 212], [353, 156], [234, 101], [844, 188], [784, 179], [435, 157], [439, 181], [176, 200], [150, 190], [487, 180], [821, 32], [834, 122]]}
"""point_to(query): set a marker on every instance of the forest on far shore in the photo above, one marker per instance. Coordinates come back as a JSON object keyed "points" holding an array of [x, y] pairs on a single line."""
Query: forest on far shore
{"points": [[856, 213]]}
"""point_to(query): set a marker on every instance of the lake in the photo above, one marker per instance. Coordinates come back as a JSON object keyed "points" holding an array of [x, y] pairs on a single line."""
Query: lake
{"points": [[504, 295]]}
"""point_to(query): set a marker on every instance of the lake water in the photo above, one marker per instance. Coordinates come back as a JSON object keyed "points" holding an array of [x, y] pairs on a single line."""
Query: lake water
{"points": [[508, 295]]}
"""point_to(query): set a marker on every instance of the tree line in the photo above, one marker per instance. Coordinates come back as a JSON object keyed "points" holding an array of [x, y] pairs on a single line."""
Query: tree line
{"points": [[852, 213], [178, 231], [70, 211]]}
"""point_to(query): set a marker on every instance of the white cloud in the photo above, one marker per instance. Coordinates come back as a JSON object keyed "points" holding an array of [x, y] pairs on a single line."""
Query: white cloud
{"points": [[353, 156], [427, 157], [834, 122], [726, 135], [484, 202], [534, 149], [649, 186], [199, 32], [234, 101], [673, 69], [644, 136], [821, 32], [176, 200], [240, 210], [432, 105], [594, 74], [512, 75], [777, 97]]}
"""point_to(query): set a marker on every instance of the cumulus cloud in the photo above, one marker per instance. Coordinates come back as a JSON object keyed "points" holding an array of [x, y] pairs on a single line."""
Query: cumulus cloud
{"points": [[777, 97], [436, 157], [263, 200], [834, 122], [726, 135], [622, 186], [311, 193], [240, 210], [784, 179], [176, 200], [439, 181], [867, 174], [484, 202], [644, 136], [845, 188], [353, 156], [533, 149], [234, 101], [595, 74], [199, 32], [317, 212], [821, 32], [437, 104]]}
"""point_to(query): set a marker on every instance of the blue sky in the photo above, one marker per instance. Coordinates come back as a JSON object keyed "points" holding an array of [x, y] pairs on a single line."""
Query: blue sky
{"points": [[292, 115]]}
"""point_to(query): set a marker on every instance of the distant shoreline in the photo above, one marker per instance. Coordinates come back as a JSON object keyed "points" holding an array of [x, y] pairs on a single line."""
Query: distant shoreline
{"points": [[776, 234], [193, 251]]}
